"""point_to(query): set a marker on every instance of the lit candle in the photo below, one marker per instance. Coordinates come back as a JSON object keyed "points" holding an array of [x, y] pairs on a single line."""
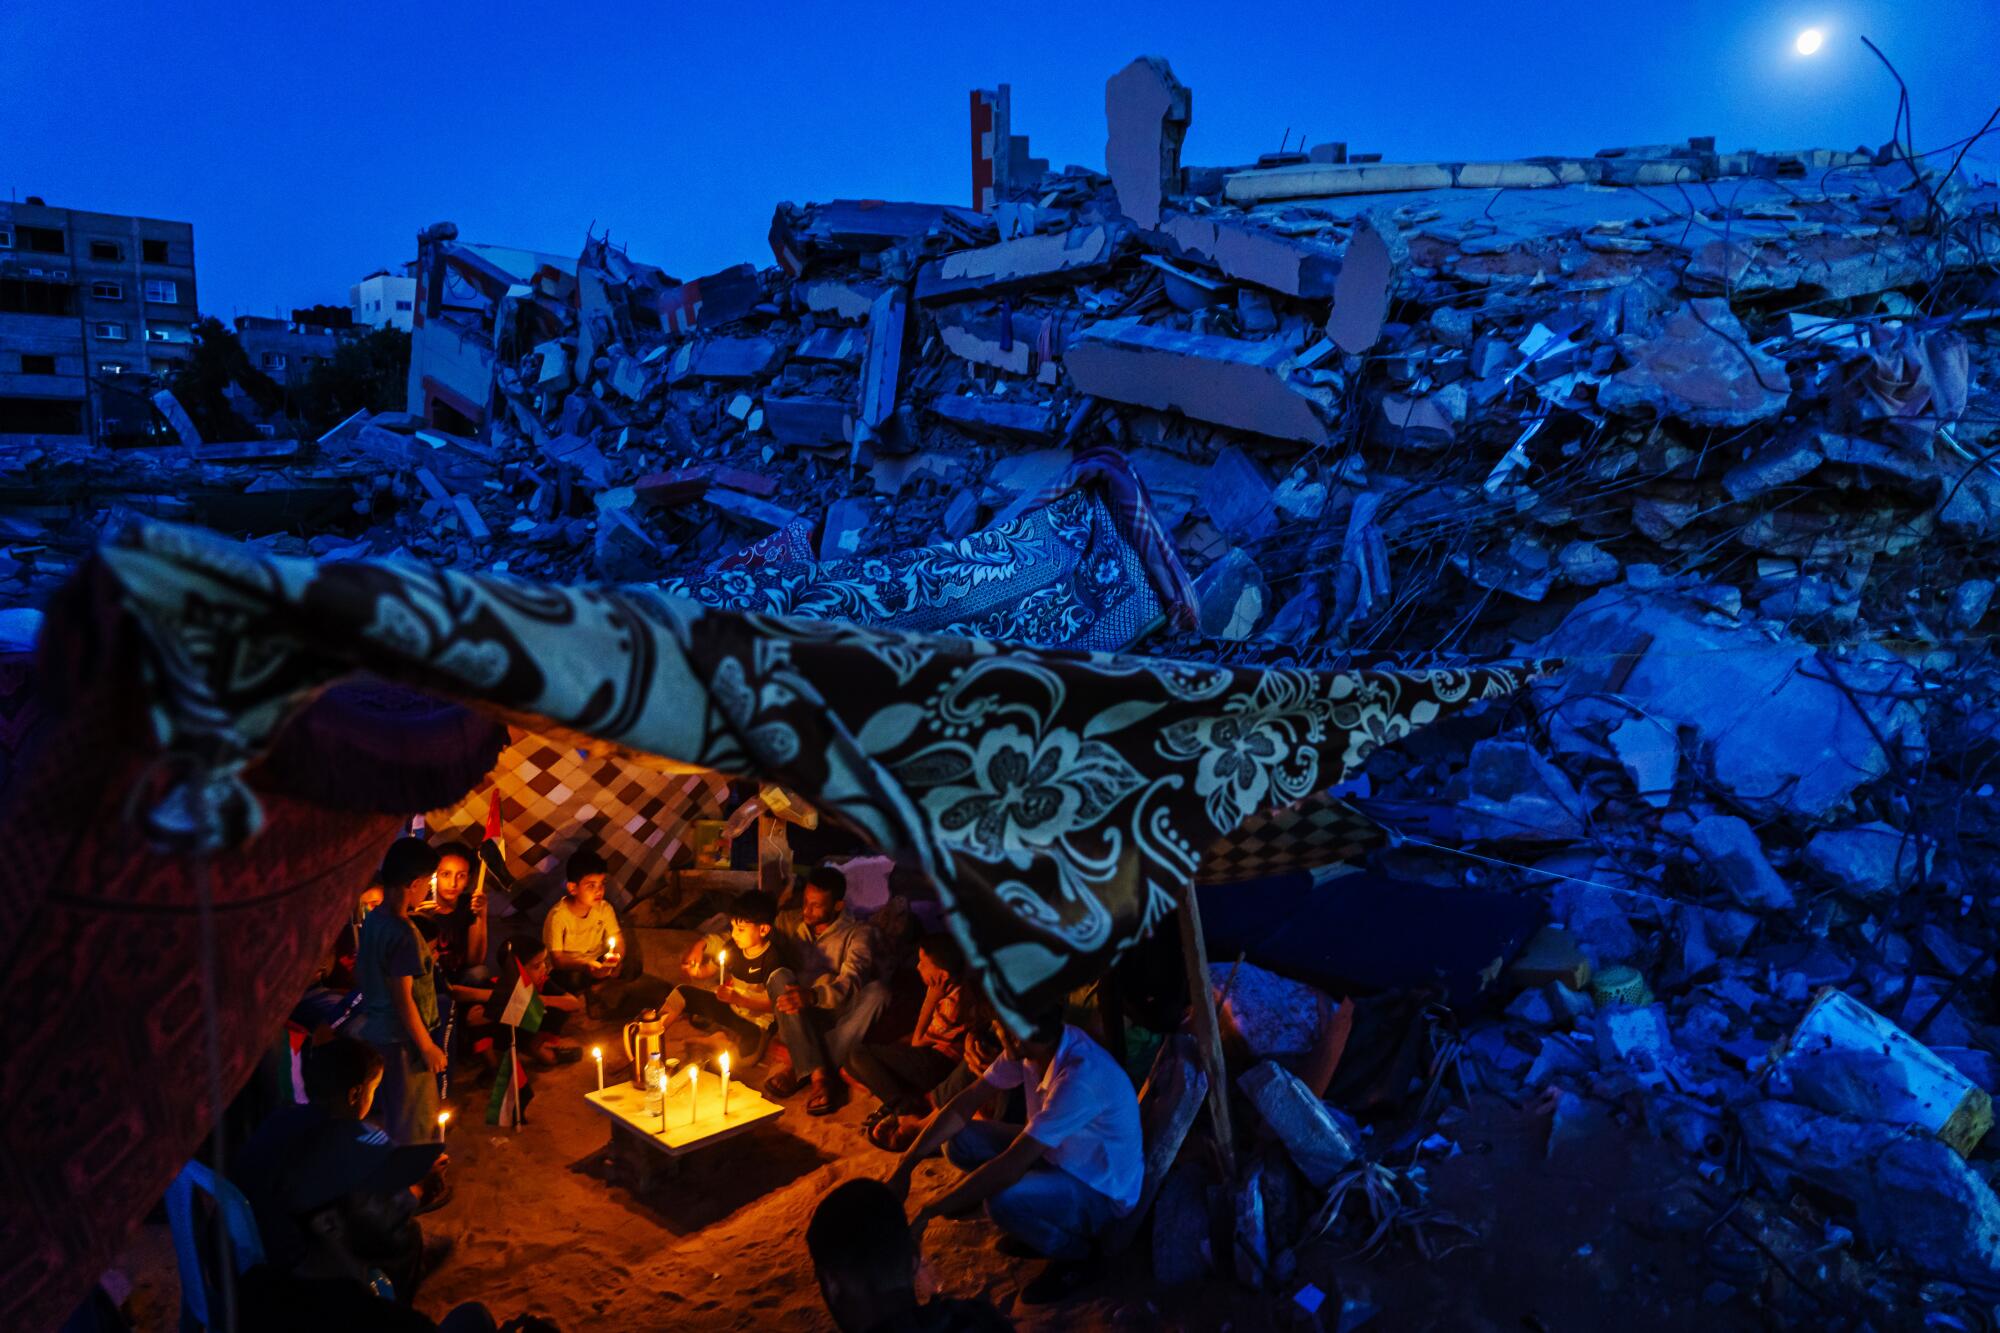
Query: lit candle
{"points": [[663, 1103], [444, 1118], [723, 958], [597, 1054], [611, 946], [725, 1085], [694, 1092]]}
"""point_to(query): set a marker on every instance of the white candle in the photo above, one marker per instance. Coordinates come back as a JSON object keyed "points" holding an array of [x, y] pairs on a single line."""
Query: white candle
{"points": [[694, 1092], [723, 958], [444, 1118], [611, 946], [725, 1085], [597, 1054], [663, 1103]]}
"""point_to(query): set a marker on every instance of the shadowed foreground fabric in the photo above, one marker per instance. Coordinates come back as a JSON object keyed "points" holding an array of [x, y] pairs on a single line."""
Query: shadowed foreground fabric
{"points": [[1058, 801], [104, 1091]]}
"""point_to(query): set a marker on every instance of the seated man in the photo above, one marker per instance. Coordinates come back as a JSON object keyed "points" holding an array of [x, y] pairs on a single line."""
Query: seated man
{"points": [[866, 1262], [1054, 1184], [526, 957], [345, 1188], [741, 1005], [397, 975], [902, 1073], [828, 1003]]}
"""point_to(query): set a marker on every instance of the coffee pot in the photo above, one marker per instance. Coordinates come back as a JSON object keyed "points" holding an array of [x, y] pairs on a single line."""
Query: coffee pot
{"points": [[645, 1037]]}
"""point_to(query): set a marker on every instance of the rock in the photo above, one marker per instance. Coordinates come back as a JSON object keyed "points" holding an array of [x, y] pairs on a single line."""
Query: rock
{"points": [[1273, 1015], [1910, 1191], [1320, 1145], [1594, 918], [1512, 792], [1700, 367], [1730, 849], [1587, 564], [1869, 861], [1636, 1038], [1550, 955], [1969, 602], [1649, 753]]}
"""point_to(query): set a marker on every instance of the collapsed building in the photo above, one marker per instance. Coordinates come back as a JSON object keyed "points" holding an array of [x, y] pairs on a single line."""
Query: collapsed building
{"points": [[1712, 430]]}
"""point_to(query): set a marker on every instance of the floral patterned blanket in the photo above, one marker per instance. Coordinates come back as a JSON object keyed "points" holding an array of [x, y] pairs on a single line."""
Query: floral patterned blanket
{"points": [[1058, 800], [1087, 567]]}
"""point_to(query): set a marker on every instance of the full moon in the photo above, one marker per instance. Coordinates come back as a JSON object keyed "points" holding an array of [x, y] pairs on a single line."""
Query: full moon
{"points": [[1809, 41]]}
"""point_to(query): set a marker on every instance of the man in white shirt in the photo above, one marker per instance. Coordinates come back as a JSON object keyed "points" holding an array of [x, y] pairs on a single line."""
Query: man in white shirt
{"points": [[1054, 1184]]}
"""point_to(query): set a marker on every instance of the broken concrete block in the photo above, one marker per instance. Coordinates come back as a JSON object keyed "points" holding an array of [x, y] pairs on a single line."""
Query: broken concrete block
{"points": [[1729, 847], [1272, 1015], [961, 516], [1224, 381], [1361, 291], [1911, 1192], [846, 528], [882, 373], [845, 345], [1870, 860], [1649, 753], [1231, 597], [1147, 110], [1313, 180], [727, 359], [1635, 1038], [1511, 792], [1550, 957], [1295, 266], [1182, 1225], [996, 416], [1595, 919], [1969, 601], [1701, 368], [1319, 1144], [808, 423], [1845, 1059], [1237, 495], [1168, 1105], [1062, 257], [1773, 466], [848, 299], [985, 341]]}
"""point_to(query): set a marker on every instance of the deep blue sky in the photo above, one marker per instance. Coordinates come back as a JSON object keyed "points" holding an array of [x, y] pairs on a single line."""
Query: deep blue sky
{"points": [[308, 142]]}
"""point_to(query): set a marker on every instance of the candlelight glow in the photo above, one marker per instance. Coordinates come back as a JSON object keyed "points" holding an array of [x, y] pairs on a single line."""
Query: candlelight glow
{"points": [[1809, 41], [725, 1064], [444, 1118]]}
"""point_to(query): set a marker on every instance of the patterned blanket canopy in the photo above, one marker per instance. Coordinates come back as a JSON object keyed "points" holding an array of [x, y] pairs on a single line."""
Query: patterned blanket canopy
{"points": [[1058, 801]]}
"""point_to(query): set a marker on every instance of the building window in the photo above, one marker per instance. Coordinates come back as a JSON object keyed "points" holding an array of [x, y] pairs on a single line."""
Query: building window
{"points": [[6, 239], [18, 297], [108, 330], [32, 364], [163, 290], [110, 250], [402, 305], [41, 416], [107, 291], [112, 367], [153, 252], [274, 360], [40, 240]]}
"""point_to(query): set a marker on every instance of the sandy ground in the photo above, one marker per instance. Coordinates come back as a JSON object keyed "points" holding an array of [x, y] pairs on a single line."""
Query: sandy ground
{"points": [[546, 1220]]}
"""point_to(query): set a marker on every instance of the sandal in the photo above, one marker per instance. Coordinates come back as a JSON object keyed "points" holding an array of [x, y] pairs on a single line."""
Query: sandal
{"points": [[882, 1132], [827, 1099], [783, 1083]]}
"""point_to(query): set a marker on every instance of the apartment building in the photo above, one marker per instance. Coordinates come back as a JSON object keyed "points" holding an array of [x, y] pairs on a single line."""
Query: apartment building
{"points": [[94, 307], [384, 299]]}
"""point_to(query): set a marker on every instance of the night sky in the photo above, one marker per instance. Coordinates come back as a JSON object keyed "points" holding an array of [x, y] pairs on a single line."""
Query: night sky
{"points": [[308, 143]]}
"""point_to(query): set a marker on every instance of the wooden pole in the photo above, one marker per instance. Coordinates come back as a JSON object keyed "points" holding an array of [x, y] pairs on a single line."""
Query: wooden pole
{"points": [[1207, 1031]]}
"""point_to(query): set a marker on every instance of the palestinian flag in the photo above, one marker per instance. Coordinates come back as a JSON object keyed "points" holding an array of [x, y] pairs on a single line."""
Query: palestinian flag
{"points": [[524, 1007], [500, 1108]]}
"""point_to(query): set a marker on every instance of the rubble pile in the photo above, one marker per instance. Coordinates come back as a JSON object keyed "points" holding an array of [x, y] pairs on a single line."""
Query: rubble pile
{"points": [[1714, 430]]}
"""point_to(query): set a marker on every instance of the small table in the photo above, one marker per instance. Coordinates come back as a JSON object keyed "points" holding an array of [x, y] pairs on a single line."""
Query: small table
{"points": [[637, 1137]]}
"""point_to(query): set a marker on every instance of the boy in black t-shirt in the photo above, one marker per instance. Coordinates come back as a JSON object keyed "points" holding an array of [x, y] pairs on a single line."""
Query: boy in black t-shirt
{"points": [[740, 1005]]}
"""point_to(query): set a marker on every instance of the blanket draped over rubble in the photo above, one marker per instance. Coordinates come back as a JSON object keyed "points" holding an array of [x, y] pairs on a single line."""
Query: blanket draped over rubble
{"points": [[1086, 568], [1059, 801]]}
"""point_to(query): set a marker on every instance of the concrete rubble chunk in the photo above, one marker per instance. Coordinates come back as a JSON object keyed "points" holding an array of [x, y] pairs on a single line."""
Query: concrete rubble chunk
{"points": [[1320, 1145], [1699, 368], [1274, 1016], [1148, 111], [1312, 180], [1361, 291], [1063, 257], [1910, 1191], [1225, 381], [1729, 847], [1169, 1103], [996, 416], [1513, 792], [1872, 861], [1294, 266], [881, 374], [1231, 597], [1843, 1058], [1650, 753], [809, 422]]}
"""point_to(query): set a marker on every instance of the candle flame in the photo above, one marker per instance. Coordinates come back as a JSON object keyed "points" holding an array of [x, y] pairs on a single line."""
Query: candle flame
{"points": [[725, 1062], [597, 1054], [444, 1118]]}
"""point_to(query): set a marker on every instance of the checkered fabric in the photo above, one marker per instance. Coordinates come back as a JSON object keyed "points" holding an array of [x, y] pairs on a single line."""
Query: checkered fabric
{"points": [[1318, 831], [555, 798]]}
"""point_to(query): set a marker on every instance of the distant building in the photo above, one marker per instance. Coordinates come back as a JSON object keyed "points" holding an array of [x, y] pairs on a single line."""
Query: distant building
{"points": [[384, 299], [93, 308], [286, 350], [479, 303]]}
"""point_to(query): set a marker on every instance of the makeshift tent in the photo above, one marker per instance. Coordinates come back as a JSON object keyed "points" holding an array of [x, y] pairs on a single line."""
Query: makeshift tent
{"points": [[1057, 801]]}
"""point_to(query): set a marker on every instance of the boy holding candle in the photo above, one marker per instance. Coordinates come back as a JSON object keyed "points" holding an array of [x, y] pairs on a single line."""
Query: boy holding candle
{"points": [[455, 921], [740, 1005]]}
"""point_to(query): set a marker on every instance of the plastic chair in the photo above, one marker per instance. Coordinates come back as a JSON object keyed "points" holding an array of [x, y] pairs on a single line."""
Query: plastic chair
{"points": [[192, 1222]]}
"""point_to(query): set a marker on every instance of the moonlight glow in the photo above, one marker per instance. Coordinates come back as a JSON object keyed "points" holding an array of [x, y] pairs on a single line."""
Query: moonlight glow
{"points": [[1809, 41]]}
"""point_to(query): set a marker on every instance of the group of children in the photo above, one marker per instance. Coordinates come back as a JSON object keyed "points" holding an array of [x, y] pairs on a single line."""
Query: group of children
{"points": [[411, 999]]}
